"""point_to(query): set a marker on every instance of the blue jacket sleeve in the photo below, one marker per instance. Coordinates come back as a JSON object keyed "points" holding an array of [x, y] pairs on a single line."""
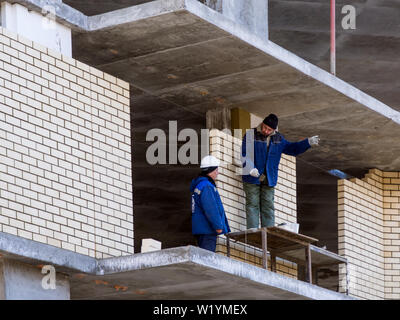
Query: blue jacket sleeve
{"points": [[247, 159], [209, 204], [295, 148]]}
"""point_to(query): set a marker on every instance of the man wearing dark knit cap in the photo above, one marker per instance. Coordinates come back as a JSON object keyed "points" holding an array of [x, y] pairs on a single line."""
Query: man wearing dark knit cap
{"points": [[262, 148]]}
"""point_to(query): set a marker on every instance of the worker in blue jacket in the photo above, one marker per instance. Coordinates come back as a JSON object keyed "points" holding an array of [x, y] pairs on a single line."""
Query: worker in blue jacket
{"points": [[262, 148], [208, 214]]}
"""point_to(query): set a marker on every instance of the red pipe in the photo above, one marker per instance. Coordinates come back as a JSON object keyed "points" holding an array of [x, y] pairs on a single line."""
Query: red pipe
{"points": [[333, 38]]}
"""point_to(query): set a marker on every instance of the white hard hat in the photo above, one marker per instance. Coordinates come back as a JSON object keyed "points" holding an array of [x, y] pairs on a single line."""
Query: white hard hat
{"points": [[209, 161]]}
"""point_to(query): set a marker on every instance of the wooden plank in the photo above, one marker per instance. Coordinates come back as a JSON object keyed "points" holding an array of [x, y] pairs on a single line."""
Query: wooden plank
{"points": [[279, 232], [282, 240], [292, 236], [275, 240]]}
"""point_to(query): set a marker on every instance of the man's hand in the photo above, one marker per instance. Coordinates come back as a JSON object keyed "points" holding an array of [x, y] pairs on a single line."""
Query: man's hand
{"points": [[313, 141], [219, 231], [254, 173]]}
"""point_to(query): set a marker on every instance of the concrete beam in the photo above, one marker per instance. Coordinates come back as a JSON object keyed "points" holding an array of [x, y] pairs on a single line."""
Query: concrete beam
{"points": [[241, 119], [36, 27], [177, 273], [223, 268], [155, 8], [64, 14], [292, 60], [19, 281], [194, 60], [28, 251], [251, 14], [78, 21], [134, 13], [219, 118]]}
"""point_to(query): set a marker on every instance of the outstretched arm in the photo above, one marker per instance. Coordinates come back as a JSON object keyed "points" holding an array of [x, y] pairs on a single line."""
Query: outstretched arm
{"points": [[296, 148]]}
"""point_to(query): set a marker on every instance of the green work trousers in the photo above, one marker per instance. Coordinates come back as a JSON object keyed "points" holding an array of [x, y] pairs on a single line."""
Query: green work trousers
{"points": [[259, 199]]}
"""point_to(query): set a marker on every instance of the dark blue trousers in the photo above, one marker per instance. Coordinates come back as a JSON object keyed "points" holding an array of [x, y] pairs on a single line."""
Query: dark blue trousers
{"points": [[207, 241]]}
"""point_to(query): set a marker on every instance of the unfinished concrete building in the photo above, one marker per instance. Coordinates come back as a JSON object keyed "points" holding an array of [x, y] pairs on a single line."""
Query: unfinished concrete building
{"points": [[82, 82]]}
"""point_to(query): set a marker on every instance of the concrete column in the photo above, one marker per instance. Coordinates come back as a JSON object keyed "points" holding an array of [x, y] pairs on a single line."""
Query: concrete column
{"points": [[241, 120], [213, 4], [253, 14], [219, 118], [19, 281]]}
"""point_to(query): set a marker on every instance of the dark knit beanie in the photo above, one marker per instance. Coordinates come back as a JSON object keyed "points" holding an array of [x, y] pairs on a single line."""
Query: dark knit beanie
{"points": [[271, 121]]}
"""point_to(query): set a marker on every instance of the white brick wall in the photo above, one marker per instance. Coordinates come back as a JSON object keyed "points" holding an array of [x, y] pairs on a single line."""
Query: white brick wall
{"points": [[391, 227], [227, 149], [369, 233], [65, 152]]}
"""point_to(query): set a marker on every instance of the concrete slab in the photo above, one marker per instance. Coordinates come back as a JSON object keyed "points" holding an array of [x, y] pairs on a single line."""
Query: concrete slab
{"points": [[69, 16], [302, 27], [31, 252], [178, 273], [19, 281], [192, 273], [198, 59]]}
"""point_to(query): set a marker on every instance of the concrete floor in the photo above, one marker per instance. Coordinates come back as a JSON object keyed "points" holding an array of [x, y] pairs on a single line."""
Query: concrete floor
{"points": [[172, 274], [196, 275]]}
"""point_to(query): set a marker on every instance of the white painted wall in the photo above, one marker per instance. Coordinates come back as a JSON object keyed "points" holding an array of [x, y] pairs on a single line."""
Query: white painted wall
{"points": [[37, 27]]}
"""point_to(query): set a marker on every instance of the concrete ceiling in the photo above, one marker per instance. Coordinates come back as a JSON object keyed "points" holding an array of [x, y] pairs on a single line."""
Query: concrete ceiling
{"points": [[179, 66], [367, 57], [192, 66], [94, 7]]}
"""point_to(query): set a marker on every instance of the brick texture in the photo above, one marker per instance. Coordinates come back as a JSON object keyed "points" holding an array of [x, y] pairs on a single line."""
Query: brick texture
{"points": [[391, 235], [227, 149], [369, 234], [65, 158]]}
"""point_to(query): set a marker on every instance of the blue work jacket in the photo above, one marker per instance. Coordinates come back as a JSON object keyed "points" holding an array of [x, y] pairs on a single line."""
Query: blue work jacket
{"points": [[208, 214], [267, 155]]}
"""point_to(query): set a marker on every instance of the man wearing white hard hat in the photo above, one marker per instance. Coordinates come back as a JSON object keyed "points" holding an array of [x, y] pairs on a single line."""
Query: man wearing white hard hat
{"points": [[208, 214]]}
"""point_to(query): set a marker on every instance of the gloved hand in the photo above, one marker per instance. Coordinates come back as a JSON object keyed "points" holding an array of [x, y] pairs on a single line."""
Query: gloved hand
{"points": [[313, 141], [254, 173]]}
